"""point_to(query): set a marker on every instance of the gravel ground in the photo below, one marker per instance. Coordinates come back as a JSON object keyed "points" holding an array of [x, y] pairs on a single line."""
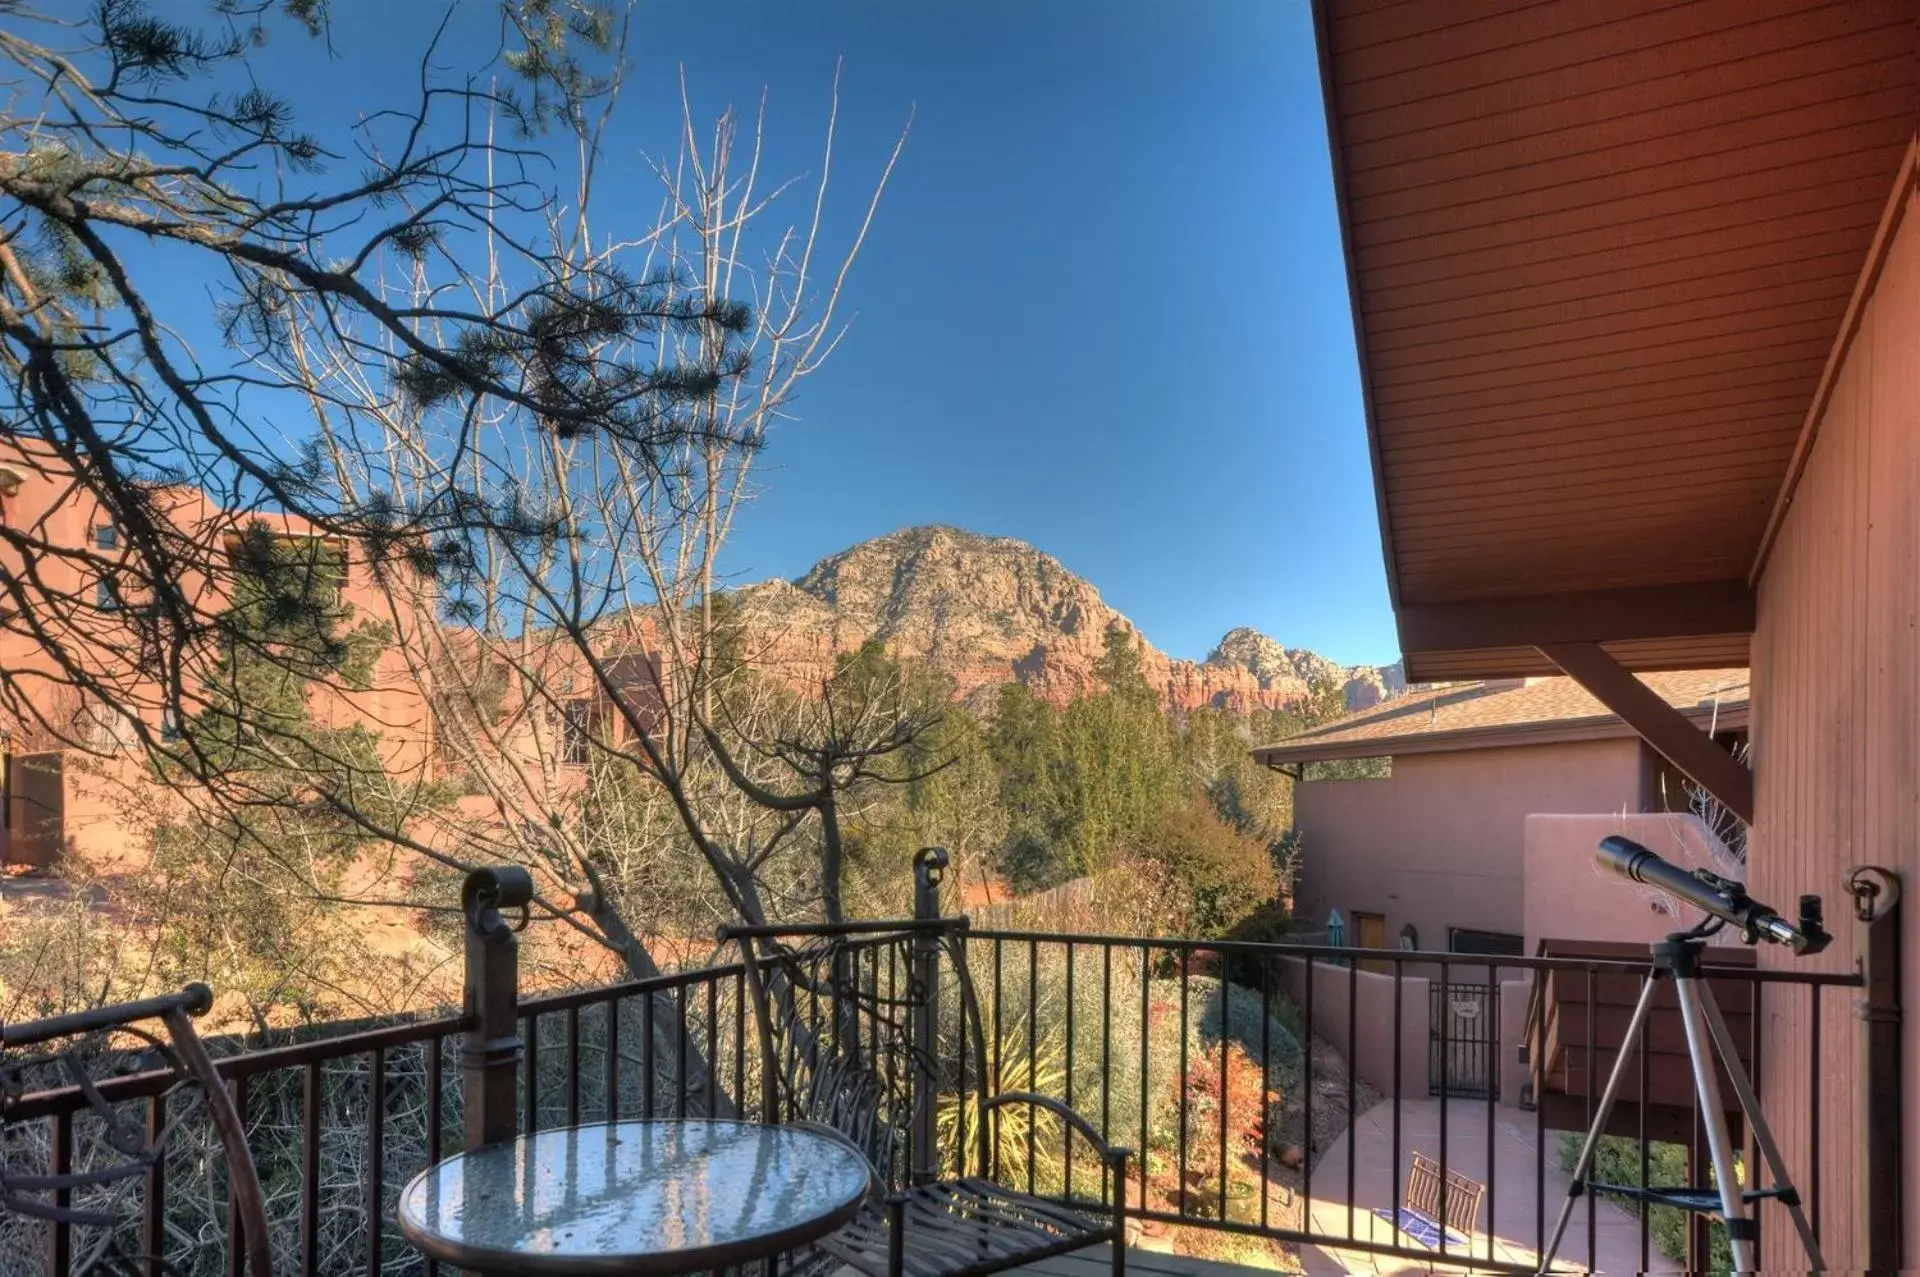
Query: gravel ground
{"points": [[1330, 1111]]}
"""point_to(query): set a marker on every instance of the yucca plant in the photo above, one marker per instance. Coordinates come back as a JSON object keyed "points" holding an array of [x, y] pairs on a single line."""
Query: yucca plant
{"points": [[1025, 1145]]}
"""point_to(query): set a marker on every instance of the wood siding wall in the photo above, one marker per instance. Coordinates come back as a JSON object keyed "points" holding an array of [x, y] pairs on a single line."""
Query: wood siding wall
{"points": [[1836, 732]]}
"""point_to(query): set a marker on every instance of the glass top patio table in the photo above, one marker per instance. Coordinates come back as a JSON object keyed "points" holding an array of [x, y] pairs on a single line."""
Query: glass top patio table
{"points": [[639, 1197]]}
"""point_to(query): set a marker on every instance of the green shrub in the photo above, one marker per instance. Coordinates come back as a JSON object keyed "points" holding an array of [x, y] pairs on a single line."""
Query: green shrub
{"points": [[1017, 1129], [1124, 1045], [1617, 1161], [1243, 1014], [1226, 874], [1271, 923], [1128, 1041]]}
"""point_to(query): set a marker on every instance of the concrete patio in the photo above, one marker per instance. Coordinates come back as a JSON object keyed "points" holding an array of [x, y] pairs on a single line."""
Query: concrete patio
{"points": [[1510, 1193]]}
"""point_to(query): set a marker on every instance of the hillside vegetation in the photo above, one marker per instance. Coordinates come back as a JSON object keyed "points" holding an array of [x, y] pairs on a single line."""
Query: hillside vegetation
{"points": [[1032, 770]]}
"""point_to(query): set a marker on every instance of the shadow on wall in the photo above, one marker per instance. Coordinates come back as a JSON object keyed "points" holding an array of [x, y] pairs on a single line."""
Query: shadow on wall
{"points": [[1566, 896], [1366, 1039]]}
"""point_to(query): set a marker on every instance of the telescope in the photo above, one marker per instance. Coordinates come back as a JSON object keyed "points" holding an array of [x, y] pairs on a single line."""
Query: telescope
{"points": [[1722, 899], [1677, 961]]}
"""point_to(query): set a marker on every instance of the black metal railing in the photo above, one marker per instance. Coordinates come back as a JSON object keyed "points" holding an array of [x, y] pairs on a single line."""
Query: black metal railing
{"points": [[1120, 1026], [337, 1125], [1155, 1040]]}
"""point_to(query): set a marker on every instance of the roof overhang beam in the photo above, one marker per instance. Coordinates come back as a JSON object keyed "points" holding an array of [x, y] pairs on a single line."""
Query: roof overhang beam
{"points": [[1588, 616], [1668, 731]]}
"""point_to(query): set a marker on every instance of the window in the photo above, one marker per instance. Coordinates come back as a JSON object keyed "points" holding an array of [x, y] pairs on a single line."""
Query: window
{"points": [[107, 729], [285, 569], [169, 723], [105, 597], [1504, 944], [106, 537], [576, 733]]}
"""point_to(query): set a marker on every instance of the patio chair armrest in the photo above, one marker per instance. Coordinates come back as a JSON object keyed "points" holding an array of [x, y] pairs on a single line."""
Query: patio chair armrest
{"points": [[1060, 1110]]}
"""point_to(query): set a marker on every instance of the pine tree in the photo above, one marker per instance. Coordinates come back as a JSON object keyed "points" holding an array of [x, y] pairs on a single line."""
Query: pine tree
{"points": [[249, 890]]}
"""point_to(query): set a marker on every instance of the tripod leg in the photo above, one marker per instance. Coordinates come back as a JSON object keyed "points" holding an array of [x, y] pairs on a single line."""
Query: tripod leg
{"points": [[1585, 1164], [1762, 1133], [1706, 1084]]}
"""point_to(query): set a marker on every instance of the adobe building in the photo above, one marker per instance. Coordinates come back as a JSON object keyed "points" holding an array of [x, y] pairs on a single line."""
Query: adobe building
{"points": [[75, 778]]}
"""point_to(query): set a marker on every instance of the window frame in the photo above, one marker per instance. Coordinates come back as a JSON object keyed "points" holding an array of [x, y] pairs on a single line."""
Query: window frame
{"points": [[1517, 950], [577, 722]]}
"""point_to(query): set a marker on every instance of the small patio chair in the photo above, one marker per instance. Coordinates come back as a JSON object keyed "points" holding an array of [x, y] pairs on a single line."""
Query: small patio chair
{"points": [[1419, 1216], [837, 1015], [106, 1064]]}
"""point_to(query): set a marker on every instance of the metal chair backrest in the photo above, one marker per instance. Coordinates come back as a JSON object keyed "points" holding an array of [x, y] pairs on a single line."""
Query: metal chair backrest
{"points": [[53, 1065], [856, 1036], [1463, 1195]]}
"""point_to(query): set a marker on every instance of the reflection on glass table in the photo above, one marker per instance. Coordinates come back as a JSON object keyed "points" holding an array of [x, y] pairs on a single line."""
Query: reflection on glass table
{"points": [[641, 1197]]}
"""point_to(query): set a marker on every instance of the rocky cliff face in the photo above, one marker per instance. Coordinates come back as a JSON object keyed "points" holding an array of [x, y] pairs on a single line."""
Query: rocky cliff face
{"points": [[988, 610], [1364, 686]]}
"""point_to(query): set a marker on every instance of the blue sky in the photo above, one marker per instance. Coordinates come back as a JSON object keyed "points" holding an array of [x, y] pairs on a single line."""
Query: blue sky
{"points": [[1103, 308]]}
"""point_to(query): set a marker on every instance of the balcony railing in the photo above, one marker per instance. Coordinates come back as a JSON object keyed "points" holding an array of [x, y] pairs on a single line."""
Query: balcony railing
{"points": [[1459, 1048], [1461, 1051]]}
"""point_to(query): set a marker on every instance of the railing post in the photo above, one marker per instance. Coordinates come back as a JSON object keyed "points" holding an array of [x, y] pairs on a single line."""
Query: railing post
{"points": [[1876, 897], [490, 1059], [929, 867]]}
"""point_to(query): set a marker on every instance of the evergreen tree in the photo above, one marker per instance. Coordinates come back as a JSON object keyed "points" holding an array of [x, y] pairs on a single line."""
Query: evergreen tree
{"points": [[1217, 750], [1118, 669], [1022, 742], [249, 889]]}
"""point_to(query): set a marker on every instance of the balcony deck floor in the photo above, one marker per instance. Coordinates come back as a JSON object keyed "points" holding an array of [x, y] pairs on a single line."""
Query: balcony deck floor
{"points": [[1096, 1261]]}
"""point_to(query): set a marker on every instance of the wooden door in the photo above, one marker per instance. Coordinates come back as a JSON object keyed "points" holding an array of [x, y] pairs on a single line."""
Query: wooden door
{"points": [[1370, 932]]}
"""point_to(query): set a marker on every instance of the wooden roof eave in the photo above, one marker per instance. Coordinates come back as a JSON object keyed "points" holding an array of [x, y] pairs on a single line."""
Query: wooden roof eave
{"points": [[1728, 717], [1356, 306], [1548, 531]]}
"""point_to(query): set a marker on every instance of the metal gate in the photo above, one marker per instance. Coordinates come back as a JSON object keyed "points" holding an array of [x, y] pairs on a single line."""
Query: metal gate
{"points": [[1465, 1027]]}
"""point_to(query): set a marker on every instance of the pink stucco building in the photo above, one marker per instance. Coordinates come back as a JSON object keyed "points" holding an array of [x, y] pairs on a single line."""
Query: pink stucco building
{"points": [[1440, 844]]}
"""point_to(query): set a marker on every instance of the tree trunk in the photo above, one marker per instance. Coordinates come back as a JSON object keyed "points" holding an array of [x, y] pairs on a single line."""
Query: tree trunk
{"points": [[832, 904], [669, 1045], [845, 976]]}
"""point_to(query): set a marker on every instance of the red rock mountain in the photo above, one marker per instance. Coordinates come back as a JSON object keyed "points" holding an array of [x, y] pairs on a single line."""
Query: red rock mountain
{"points": [[988, 610]]}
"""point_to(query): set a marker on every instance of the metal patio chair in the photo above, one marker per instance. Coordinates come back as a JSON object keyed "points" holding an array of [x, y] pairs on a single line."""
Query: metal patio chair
{"points": [[123, 1072], [853, 1043]]}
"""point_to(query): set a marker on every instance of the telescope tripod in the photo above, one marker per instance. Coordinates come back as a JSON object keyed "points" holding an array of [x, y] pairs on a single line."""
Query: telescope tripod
{"points": [[1678, 958]]}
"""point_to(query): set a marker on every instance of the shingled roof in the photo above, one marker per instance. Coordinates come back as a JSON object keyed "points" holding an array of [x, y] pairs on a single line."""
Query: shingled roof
{"points": [[1456, 716]]}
